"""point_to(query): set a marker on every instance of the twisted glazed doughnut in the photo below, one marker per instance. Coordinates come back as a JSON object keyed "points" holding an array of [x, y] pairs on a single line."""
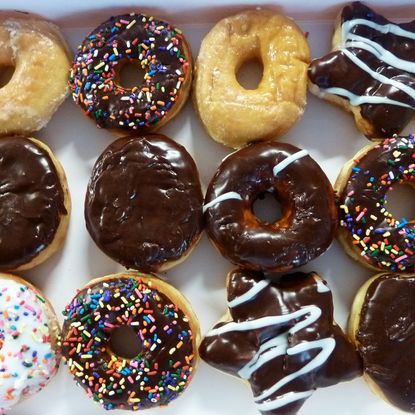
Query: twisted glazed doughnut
{"points": [[29, 334], [158, 47], [39, 54], [162, 321]]}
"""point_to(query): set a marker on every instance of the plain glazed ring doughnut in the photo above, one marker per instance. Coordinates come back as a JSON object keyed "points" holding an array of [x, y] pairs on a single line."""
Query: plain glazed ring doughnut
{"points": [[29, 335], [39, 83], [281, 338], [381, 325], [35, 204], [369, 233], [143, 206], [233, 115], [308, 221], [163, 324], [156, 47]]}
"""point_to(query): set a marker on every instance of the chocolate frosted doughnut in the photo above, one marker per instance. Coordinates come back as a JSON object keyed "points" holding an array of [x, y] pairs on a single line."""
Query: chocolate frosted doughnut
{"points": [[161, 321], [280, 337], [370, 71], [308, 220], [143, 205], [157, 47], [34, 203], [382, 324]]}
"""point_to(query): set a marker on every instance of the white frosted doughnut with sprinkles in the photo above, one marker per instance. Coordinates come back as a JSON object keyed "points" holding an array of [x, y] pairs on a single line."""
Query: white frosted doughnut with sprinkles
{"points": [[29, 334]]}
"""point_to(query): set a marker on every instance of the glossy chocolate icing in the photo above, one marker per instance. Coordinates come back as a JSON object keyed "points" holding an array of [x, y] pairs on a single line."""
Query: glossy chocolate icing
{"points": [[155, 46], [233, 350], [31, 201], [384, 241], [143, 205], [386, 337], [308, 220], [337, 70], [164, 364]]}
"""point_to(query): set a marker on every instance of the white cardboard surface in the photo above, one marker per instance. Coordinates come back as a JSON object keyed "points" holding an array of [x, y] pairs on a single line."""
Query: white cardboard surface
{"points": [[327, 132]]}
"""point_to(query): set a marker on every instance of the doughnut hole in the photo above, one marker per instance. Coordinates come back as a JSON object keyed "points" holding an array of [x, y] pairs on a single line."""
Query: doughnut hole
{"points": [[124, 342], [130, 74], [400, 202], [267, 208], [250, 73], [6, 74]]}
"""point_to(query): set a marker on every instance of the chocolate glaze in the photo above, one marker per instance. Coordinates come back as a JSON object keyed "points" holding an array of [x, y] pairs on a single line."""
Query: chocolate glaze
{"points": [[337, 70], [31, 201], [308, 220], [143, 205], [386, 337], [385, 242], [95, 75], [159, 363], [231, 351]]}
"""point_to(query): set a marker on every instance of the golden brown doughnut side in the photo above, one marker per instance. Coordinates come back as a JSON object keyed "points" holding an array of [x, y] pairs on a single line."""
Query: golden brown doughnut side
{"points": [[40, 56], [233, 115]]}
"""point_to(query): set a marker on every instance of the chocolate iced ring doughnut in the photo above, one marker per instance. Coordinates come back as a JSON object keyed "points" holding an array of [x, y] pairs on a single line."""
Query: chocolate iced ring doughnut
{"points": [[156, 47], [163, 329], [143, 205], [369, 233], [381, 325], [308, 221], [34, 203]]}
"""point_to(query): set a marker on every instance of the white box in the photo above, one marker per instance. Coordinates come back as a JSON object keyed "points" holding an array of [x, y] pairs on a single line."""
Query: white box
{"points": [[77, 143]]}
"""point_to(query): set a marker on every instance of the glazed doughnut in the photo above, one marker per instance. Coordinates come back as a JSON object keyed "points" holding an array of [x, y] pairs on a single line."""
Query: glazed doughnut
{"points": [[233, 115], [143, 205], [368, 231], [29, 335], [164, 325], [39, 84], [34, 203], [281, 338], [308, 221], [381, 325], [370, 71], [156, 47]]}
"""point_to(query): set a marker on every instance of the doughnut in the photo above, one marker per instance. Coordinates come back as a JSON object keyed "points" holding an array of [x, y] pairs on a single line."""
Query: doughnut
{"points": [[233, 115], [369, 233], [308, 222], [143, 206], [34, 203], [39, 84], [164, 325], [29, 335], [156, 47], [381, 325], [280, 337], [370, 71]]}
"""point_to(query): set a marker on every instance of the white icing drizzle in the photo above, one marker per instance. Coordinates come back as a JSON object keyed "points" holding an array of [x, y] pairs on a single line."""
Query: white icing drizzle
{"points": [[355, 41], [321, 287], [364, 99], [250, 294], [221, 198], [288, 160], [278, 345], [27, 359]]}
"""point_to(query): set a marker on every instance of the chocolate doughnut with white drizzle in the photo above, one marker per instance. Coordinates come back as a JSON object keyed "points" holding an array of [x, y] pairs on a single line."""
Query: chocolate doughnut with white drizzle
{"points": [[281, 337], [308, 220], [373, 67]]}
